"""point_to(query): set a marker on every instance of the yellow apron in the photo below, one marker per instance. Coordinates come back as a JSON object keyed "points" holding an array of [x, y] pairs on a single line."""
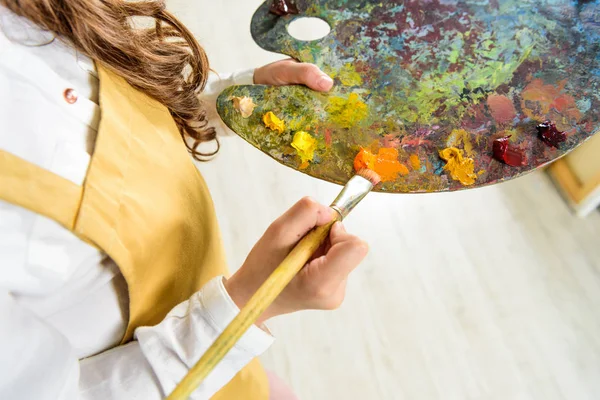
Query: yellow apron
{"points": [[144, 204]]}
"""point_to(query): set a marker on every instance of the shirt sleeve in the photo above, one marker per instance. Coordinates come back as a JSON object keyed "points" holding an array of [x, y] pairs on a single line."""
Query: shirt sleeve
{"points": [[151, 366], [214, 86]]}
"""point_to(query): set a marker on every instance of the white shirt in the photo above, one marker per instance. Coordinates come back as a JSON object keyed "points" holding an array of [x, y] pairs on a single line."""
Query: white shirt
{"points": [[63, 304]]}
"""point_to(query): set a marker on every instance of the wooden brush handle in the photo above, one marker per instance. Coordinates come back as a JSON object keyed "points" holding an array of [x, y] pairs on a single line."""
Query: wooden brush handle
{"points": [[258, 303]]}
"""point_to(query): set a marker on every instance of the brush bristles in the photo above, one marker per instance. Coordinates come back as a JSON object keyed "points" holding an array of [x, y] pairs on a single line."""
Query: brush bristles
{"points": [[369, 175]]}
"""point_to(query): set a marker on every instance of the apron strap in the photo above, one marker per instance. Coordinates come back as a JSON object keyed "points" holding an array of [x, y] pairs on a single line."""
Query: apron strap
{"points": [[36, 189]]}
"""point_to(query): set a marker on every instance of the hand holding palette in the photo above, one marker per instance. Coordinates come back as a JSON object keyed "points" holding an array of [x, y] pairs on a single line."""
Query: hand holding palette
{"points": [[443, 95]]}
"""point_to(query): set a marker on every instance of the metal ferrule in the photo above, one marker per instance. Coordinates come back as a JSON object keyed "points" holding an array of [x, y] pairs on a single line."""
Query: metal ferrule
{"points": [[354, 191]]}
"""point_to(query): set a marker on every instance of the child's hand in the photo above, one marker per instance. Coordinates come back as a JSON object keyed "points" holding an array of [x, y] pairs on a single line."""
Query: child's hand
{"points": [[291, 72], [321, 284]]}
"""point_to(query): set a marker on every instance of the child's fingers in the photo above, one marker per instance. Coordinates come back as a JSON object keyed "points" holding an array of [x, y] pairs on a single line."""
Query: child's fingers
{"points": [[288, 229], [345, 254]]}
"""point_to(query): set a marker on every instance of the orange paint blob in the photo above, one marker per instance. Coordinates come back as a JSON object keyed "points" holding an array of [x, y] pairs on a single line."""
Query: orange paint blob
{"points": [[502, 108], [385, 163], [364, 159], [415, 162], [461, 168]]}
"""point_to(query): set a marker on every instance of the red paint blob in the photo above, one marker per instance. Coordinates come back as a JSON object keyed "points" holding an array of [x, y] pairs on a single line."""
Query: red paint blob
{"points": [[508, 153], [283, 7], [550, 135]]}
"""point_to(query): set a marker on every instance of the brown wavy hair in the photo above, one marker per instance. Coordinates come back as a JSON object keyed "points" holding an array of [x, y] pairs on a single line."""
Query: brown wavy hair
{"points": [[164, 61]]}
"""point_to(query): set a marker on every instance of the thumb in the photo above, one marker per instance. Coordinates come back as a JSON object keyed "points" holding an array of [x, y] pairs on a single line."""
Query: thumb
{"points": [[306, 74]]}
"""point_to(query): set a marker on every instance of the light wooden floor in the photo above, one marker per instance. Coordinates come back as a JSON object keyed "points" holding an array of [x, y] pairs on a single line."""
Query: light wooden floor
{"points": [[480, 295]]}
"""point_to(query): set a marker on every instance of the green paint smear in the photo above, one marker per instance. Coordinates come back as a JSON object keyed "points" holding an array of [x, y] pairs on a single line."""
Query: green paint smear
{"points": [[444, 90]]}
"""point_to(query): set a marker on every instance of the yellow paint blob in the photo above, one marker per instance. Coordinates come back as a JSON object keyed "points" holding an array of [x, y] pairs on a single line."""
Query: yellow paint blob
{"points": [[347, 112], [305, 145], [460, 138], [349, 77], [415, 162], [460, 168], [273, 123], [244, 105]]}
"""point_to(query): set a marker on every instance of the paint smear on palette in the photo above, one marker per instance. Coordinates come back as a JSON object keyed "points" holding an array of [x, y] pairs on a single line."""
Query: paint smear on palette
{"points": [[414, 142], [347, 112], [539, 99], [460, 138], [415, 162], [272, 122], [305, 146], [327, 137], [385, 163], [502, 108], [460, 168], [348, 76], [391, 140]]}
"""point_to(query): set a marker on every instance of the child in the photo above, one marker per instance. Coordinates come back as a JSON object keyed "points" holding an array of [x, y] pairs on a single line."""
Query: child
{"points": [[113, 282]]}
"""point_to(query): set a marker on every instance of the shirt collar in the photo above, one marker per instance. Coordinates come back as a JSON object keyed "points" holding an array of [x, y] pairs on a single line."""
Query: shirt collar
{"points": [[22, 31]]}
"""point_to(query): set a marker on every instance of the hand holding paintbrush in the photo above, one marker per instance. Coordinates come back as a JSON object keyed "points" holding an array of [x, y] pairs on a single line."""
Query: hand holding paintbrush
{"points": [[320, 283]]}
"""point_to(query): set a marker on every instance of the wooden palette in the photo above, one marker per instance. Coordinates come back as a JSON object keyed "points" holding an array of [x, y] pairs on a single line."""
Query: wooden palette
{"points": [[419, 77]]}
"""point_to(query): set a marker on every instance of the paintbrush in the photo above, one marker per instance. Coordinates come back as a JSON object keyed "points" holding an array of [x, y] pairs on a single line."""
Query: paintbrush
{"points": [[354, 191]]}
